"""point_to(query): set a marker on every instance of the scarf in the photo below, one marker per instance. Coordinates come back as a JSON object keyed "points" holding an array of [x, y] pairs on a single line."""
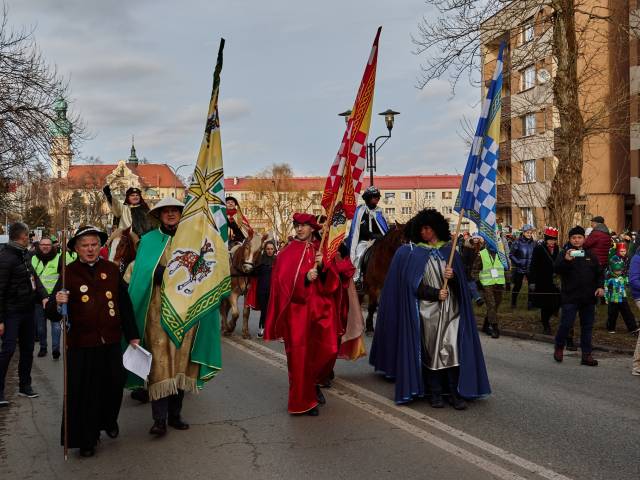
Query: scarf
{"points": [[17, 246], [46, 257]]}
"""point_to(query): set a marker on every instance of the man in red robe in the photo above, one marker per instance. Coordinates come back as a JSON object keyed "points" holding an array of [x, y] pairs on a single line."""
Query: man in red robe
{"points": [[302, 312]]}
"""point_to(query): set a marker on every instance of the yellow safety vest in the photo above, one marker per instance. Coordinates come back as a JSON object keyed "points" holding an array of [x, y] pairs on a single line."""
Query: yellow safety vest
{"points": [[492, 272], [48, 273]]}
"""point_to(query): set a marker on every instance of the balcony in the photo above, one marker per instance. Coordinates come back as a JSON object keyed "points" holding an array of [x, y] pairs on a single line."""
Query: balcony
{"points": [[503, 192], [505, 153]]}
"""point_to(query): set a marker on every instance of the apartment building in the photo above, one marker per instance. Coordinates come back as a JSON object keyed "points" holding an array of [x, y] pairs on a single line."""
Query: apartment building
{"points": [[530, 117]]}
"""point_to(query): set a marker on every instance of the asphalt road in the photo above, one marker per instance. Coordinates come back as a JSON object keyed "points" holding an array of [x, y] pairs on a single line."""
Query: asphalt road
{"points": [[543, 420]]}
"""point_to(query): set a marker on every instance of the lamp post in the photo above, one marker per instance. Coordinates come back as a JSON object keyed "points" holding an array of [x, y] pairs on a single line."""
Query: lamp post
{"points": [[175, 180], [373, 147]]}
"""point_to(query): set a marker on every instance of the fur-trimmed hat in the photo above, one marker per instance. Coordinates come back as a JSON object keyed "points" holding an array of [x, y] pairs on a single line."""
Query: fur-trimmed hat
{"points": [[550, 233], [87, 230], [306, 219]]}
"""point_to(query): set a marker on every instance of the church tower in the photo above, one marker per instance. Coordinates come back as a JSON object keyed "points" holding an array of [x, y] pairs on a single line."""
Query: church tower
{"points": [[60, 130], [133, 158]]}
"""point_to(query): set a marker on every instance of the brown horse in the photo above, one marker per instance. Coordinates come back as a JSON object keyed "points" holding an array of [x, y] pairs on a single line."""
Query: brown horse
{"points": [[242, 259], [123, 245], [379, 260]]}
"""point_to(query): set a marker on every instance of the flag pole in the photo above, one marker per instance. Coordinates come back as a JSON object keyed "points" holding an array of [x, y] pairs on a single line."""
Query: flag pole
{"points": [[65, 316], [454, 243]]}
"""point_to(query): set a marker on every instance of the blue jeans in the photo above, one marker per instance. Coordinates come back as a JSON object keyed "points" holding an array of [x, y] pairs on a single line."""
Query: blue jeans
{"points": [[41, 328], [18, 327], [567, 319]]}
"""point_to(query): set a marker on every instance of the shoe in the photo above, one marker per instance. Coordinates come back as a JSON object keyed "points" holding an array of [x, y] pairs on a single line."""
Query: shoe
{"points": [[178, 423], [113, 432], [314, 412], [87, 452], [260, 332], [588, 360], [635, 332], [558, 354], [495, 331], [56, 354], [159, 428], [27, 392], [320, 396], [5, 403], [141, 395], [42, 353], [485, 327], [457, 402], [436, 401]]}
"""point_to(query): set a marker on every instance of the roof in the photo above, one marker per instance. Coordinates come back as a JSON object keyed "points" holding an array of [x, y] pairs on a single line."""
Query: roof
{"points": [[158, 175], [383, 182]]}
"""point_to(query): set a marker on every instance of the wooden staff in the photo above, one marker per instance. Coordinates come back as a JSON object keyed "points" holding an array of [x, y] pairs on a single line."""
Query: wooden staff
{"points": [[65, 318], [453, 245]]}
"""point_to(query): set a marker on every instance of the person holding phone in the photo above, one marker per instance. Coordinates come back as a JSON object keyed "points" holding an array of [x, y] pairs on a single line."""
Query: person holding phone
{"points": [[582, 281]]}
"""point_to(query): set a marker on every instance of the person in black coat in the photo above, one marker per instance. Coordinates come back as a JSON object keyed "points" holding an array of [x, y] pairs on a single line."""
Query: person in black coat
{"points": [[263, 272], [20, 291], [582, 283], [545, 293]]}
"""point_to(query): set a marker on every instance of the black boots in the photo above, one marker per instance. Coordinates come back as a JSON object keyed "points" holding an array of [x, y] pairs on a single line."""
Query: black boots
{"points": [[495, 331], [159, 428]]}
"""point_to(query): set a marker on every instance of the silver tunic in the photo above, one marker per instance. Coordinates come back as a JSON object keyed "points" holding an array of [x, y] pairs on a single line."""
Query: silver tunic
{"points": [[440, 320]]}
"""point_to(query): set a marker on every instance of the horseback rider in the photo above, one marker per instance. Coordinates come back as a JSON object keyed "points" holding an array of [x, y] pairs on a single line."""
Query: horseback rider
{"points": [[132, 213], [239, 228], [367, 226]]}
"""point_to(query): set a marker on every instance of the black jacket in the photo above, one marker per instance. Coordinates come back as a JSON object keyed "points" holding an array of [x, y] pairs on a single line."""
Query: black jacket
{"points": [[541, 275], [580, 278], [16, 291]]}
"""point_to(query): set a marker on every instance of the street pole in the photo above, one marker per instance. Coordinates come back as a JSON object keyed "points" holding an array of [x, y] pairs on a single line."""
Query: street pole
{"points": [[175, 180]]}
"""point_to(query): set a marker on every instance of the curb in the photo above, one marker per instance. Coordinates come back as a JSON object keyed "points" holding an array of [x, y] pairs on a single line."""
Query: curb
{"points": [[538, 337]]}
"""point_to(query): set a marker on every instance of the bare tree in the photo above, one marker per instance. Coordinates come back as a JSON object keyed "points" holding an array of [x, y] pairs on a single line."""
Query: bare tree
{"points": [[275, 197], [29, 88], [586, 106]]}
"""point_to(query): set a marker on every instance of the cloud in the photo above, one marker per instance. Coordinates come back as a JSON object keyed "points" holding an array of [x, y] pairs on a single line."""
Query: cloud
{"points": [[117, 69], [233, 109]]}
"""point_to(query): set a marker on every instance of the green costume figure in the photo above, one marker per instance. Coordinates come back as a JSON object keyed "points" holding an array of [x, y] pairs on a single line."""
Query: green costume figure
{"points": [[174, 370]]}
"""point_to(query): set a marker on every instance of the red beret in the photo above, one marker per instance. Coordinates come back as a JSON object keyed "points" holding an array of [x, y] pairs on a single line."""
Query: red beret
{"points": [[306, 219]]}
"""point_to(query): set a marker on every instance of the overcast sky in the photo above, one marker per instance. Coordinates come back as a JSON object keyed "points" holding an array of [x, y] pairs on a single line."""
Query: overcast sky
{"points": [[144, 67]]}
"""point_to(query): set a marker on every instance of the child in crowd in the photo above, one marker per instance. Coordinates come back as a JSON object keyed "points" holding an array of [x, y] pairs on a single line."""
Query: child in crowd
{"points": [[615, 294]]}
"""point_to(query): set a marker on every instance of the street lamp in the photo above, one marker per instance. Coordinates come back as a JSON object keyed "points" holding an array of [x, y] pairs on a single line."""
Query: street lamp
{"points": [[175, 180], [372, 148]]}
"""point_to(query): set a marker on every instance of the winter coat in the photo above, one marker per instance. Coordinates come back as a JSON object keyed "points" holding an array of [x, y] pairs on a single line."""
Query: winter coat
{"points": [[599, 243], [541, 275], [16, 291], [521, 253], [634, 276], [580, 278]]}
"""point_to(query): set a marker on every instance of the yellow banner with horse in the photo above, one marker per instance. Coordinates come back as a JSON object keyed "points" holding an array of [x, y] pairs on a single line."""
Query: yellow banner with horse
{"points": [[197, 277]]}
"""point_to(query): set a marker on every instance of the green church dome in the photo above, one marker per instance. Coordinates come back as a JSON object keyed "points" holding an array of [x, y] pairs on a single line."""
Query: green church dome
{"points": [[61, 126]]}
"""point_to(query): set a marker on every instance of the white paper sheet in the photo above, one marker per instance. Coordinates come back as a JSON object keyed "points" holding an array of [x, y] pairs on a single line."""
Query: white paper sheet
{"points": [[137, 360]]}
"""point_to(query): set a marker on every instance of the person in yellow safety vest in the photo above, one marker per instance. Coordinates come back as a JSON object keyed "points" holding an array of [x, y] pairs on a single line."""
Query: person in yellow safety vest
{"points": [[46, 263], [489, 272]]}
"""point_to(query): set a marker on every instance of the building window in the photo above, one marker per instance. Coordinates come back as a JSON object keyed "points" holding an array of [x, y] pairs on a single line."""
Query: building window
{"points": [[447, 210], [528, 78], [389, 195], [528, 171], [529, 124], [527, 215], [429, 195], [407, 210], [390, 211], [244, 197], [406, 195], [284, 197], [447, 196], [528, 31]]}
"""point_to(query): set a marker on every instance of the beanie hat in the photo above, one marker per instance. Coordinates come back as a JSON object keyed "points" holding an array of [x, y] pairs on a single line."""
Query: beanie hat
{"points": [[577, 230], [597, 219], [550, 233]]}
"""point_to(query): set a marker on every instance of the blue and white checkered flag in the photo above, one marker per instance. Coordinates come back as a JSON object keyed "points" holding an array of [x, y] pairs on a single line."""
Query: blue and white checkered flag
{"points": [[477, 195]]}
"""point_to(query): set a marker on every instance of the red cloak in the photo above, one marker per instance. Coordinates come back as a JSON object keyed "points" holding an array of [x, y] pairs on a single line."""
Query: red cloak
{"points": [[304, 314]]}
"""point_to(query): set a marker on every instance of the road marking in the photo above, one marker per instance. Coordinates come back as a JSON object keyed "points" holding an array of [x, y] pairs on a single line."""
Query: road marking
{"points": [[266, 354]]}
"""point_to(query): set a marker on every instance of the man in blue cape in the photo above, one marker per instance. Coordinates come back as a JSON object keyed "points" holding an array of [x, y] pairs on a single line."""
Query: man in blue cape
{"points": [[426, 336], [368, 225]]}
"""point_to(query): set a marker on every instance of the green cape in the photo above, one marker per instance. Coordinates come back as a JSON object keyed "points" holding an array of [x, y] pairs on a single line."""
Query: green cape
{"points": [[206, 350]]}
